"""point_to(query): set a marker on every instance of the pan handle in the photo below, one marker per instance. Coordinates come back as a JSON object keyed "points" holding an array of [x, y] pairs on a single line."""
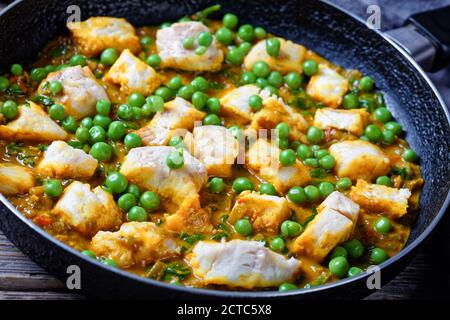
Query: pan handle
{"points": [[426, 37]]}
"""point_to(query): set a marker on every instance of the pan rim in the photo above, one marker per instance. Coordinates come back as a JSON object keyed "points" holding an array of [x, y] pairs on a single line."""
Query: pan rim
{"points": [[198, 292]]}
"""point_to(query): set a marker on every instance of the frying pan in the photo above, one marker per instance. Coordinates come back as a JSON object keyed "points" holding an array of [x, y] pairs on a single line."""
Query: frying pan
{"points": [[26, 26]]}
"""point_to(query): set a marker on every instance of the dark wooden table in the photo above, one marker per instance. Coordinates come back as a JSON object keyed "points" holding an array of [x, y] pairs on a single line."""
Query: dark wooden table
{"points": [[427, 276]]}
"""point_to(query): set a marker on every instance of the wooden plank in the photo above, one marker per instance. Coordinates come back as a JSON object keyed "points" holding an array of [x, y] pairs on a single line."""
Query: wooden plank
{"points": [[44, 295]]}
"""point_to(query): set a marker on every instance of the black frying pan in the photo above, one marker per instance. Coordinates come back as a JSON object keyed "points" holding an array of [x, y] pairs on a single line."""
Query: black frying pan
{"points": [[28, 25]]}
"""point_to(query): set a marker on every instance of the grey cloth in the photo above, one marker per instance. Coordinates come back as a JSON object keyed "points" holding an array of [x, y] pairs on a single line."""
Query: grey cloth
{"points": [[393, 15]]}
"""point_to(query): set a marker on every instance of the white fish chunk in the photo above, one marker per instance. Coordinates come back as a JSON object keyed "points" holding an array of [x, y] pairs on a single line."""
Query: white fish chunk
{"points": [[169, 42], [32, 124], [327, 86], [344, 205], [353, 121], [133, 75], [235, 103], [240, 263], [63, 161], [135, 243], [15, 179], [80, 90], [86, 210], [217, 148], [96, 34], [359, 159], [146, 167]]}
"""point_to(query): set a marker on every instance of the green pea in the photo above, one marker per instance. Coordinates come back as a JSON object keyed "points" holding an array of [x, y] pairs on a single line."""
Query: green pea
{"points": [[146, 41], [275, 79], [97, 134], [339, 252], [213, 105], [156, 102], [277, 244], [246, 32], [186, 92], [383, 114], [132, 140], [311, 162], [110, 263], [165, 93], [260, 33], [200, 84], [293, 80], [82, 134], [297, 195], [4, 83], [378, 255], [175, 141], [153, 60], [241, 184], [339, 266], [102, 121], [267, 188], [109, 56], [137, 113], [37, 74], [205, 39], [211, 120], [117, 182], [230, 21], [137, 213], [101, 151], [410, 155], [373, 133], [89, 254], [304, 152], [103, 107], [243, 227], [291, 228], [321, 153], [150, 200], [312, 193], [354, 271], [255, 102], [383, 225], [262, 83], [175, 160], [272, 90], [175, 83], [216, 185], [350, 101], [77, 60], [237, 132], [287, 287], [261, 69], [315, 135], [126, 201], [310, 67], [235, 56], [327, 162], [354, 248], [116, 130], [199, 99], [282, 143], [384, 180], [134, 189], [393, 126], [245, 47], [224, 36], [9, 109], [87, 122], [315, 147], [16, 69], [343, 184], [188, 43], [53, 188], [136, 99], [248, 77], [49, 68], [125, 112], [326, 188], [366, 84], [55, 87], [287, 157], [70, 124], [388, 137], [200, 50]]}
